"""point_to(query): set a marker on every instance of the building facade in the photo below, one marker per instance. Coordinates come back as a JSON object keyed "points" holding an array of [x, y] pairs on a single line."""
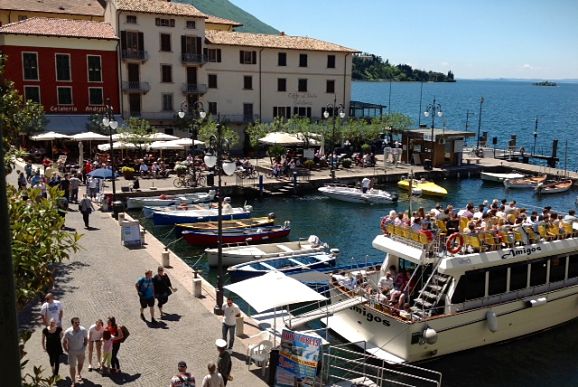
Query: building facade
{"points": [[12, 11]]}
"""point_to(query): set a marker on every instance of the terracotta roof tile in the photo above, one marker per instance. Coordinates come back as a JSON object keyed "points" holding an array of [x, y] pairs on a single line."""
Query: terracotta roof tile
{"points": [[69, 7], [60, 27], [272, 41], [160, 7], [220, 20]]}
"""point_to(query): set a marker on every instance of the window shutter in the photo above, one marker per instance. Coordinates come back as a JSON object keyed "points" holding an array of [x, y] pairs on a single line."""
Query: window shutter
{"points": [[219, 55], [141, 41], [254, 55], [183, 44], [206, 52], [241, 56], [123, 40], [199, 45], [158, 21]]}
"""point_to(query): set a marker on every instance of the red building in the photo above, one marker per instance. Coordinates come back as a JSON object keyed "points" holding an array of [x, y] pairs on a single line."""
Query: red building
{"points": [[68, 66]]}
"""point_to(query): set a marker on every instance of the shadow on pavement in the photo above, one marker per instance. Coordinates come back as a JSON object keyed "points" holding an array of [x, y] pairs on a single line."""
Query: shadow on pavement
{"points": [[171, 317], [122, 377]]}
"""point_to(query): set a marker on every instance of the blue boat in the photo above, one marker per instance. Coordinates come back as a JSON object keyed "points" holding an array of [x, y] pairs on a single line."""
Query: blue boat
{"points": [[192, 216]]}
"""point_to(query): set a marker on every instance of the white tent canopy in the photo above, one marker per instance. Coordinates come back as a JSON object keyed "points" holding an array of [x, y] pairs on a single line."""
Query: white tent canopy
{"points": [[287, 139], [272, 290], [158, 136], [117, 145], [89, 136], [164, 145], [49, 136], [185, 142]]}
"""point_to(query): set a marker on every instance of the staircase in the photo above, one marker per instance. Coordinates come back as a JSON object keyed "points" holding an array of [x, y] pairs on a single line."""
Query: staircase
{"points": [[430, 296]]}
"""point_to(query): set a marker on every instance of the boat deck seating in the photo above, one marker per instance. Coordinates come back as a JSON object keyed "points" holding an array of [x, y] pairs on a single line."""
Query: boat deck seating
{"points": [[285, 249]]}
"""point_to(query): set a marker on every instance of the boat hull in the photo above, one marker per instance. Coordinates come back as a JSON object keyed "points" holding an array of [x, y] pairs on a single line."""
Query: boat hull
{"points": [[356, 195], [427, 188], [185, 216], [226, 224], [253, 236], [524, 183], [159, 201], [499, 177]]}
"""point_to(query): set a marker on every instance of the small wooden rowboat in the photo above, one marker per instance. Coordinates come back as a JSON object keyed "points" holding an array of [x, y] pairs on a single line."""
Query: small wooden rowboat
{"points": [[227, 224], [525, 182], [555, 187], [249, 235]]}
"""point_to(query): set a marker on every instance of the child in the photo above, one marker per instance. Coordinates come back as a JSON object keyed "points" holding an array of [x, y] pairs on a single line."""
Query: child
{"points": [[106, 351]]}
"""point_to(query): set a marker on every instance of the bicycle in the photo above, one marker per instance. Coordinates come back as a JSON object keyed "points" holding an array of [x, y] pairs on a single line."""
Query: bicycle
{"points": [[190, 180], [246, 173]]}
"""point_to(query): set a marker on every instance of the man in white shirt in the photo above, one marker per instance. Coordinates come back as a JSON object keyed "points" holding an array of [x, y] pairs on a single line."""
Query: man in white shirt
{"points": [[365, 184], [51, 309], [230, 313], [74, 343]]}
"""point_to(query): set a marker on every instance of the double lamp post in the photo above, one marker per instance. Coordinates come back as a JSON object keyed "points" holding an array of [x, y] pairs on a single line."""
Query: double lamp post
{"points": [[434, 109], [109, 122], [340, 110]]}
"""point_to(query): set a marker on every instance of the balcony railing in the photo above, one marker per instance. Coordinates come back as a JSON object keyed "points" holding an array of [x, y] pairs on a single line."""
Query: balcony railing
{"points": [[189, 57], [135, 87], [134, 54], [239, 118], [194, 88]]}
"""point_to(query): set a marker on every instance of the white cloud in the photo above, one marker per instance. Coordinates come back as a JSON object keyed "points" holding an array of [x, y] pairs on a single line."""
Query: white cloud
{"points": [[527, 66]]}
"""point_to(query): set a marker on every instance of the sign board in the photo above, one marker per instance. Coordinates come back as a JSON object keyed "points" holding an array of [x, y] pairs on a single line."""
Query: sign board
{"points": [[309, 153], [458, 146], [130, 233], [298, 359]]}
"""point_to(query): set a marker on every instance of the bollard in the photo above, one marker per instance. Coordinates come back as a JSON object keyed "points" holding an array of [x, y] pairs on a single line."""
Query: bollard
{"points": [[197, 287], [240, 326], [261, 185], [121, 217], [166, 259]]}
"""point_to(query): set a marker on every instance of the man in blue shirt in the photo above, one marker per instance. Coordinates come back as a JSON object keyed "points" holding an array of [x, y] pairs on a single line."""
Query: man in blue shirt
{"points": [[146, 293]]}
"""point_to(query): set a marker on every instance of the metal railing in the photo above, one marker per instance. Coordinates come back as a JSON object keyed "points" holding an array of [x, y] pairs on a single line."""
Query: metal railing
{"points": [[136, 87], [134, 54], [194, 88], [189, 57]]}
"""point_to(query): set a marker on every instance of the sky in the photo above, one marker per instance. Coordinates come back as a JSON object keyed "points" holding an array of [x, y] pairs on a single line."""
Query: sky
{"points": [[475, 39]]}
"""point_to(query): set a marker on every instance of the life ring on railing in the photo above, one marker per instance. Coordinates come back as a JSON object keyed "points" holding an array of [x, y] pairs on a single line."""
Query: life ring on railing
{"points": [[163, 197], [451, 246], [383, 224]]}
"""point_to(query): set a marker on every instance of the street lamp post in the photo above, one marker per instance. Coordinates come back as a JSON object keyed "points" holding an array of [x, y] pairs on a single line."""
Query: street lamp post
{"points": [[479, 123], [109, 121], [433, 109], [341, 112], [198, 112], [535, 136], [214, 158], [468, 114]]}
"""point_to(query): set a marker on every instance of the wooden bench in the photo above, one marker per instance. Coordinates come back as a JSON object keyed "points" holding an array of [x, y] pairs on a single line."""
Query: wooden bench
{"points": [[471, 160]]}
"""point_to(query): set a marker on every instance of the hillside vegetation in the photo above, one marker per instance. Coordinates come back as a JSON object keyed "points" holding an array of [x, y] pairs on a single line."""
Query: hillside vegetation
{"points": [[369, 67]]}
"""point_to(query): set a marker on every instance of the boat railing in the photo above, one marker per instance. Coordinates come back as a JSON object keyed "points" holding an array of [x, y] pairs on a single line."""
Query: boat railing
{"points": [[345, 363]]}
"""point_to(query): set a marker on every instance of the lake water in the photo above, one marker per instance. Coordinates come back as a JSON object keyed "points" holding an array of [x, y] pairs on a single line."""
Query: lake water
{"points": [[509, 108]]}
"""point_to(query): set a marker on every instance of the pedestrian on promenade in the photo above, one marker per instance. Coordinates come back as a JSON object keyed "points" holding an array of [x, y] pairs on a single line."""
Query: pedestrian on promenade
{"points": [[224, 363], [51, 309], [105, 364], [85, 206], [214, 378], [74, 183], [22, 182], [92, 187], [51, 343], [163, 288], [95, 340], [230, 313], [146, 293], [117, 337], [74, 343], [183, 378]]}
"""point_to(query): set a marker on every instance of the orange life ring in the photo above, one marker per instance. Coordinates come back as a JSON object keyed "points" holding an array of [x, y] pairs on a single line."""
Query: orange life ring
{"points": [[453, 248], [383, 224]]}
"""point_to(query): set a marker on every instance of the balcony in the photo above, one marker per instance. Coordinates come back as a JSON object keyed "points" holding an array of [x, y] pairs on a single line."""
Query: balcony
{"points": [[192, 58], [194, 88], [135, 87], [132, 54], [239, 118]]}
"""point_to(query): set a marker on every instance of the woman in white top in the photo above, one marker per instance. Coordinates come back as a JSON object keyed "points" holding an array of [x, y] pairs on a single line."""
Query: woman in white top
{"points": [[95, 340], [214, 378]]}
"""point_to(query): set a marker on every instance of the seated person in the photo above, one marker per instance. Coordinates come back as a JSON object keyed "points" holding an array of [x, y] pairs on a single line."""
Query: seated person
{"points": [[143, 169], [227, 208], [385, 283]]}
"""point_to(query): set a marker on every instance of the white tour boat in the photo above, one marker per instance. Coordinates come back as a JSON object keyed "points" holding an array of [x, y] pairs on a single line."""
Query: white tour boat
{"points": [[356, 195], [464, 292]]}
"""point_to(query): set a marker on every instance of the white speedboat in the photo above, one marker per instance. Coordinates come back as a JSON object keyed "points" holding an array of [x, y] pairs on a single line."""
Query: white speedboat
{"points": [[236, 254], [356, 195], [169, 200], [461, 294], [499, 177]]}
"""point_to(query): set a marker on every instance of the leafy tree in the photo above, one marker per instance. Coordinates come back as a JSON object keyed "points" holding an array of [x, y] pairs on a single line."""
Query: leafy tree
{"points": [[209, 129], [372, 68]]}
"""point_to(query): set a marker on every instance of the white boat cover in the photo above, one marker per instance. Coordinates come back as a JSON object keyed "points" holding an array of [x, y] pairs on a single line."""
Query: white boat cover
{"points": [[273, 290]]}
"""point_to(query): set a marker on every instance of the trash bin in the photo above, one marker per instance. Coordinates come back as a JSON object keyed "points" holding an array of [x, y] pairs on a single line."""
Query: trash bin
{"points": [[210, 179], [273, 362], [427, 165], [117, 207]]}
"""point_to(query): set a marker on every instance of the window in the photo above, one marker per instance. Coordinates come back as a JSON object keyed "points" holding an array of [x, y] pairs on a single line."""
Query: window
{"points": [[282, 59], [30, 63], [475, 284], [191, 24], [94, 68], [248, 57], [164, 22], [498, 278], [63, 67], [165, 42], [95, 96], [167, 101], [330, 86], [302, 60], [32, 93], [212, 81], [330, 61], [519, 276], [64, 95], [213, 108], [302, 85], [281, 84], [302, 111], [538, 272], [248, 82], [130, 19], [557, 269], [166, 73], [573, 266], [282, 111], [213, 54]]}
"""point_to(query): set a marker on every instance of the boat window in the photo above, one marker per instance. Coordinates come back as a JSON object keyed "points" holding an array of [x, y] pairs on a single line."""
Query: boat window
{"points": [[557, 269], [475, 284], [459, 295], [573, 266], [519, 276], [498, 281], [538, 272]]}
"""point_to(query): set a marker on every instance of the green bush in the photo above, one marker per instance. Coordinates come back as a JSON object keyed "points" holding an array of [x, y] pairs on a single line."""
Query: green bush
{"points": [[366, 148], [346, 163]]}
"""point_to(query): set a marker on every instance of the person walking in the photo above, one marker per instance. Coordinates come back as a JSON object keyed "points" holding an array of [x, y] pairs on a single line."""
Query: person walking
{"points": [[95, 340], [22, 182], [85, 206], [117, 338], [74, 184], [163, 288], [224, 363], [146, 293], [230, 313], [51, 309], [183, 378], [106, 361], [92, 187], [74, 343], [51, 343], [214, 378]]}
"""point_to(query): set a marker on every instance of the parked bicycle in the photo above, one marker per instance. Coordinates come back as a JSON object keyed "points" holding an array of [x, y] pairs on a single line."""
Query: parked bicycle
{"points": [[244, 173], [190, 180]]}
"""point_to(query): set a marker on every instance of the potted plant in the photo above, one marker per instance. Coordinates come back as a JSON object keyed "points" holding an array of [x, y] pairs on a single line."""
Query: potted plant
{"points": [[180, 169], [309, 164], [127, 172], [346, 163]]}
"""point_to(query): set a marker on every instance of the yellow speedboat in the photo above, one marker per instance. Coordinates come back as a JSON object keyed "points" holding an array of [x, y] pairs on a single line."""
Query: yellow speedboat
{"points": [[423, 187]]}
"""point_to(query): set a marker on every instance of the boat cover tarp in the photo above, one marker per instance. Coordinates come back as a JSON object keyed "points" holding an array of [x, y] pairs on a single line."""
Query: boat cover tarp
{"points": [[273, 290]]}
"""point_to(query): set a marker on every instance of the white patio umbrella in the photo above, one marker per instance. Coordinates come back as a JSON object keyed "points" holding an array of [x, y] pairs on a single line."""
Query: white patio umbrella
{"points": [[162, 137], [164, 145], [50, 136], [87, 136], [117, 145], [281, 138], [185, 142]]}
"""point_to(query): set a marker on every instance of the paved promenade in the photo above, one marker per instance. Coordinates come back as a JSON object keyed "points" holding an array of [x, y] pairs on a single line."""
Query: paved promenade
{"points": [[98, 281]]}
